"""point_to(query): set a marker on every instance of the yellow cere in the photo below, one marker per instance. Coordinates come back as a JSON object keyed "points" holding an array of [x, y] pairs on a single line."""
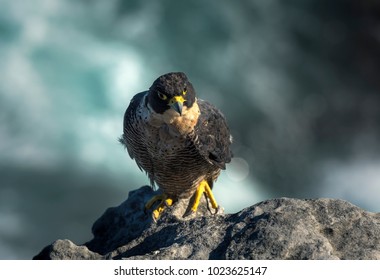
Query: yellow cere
{"points": [[176, 99]]}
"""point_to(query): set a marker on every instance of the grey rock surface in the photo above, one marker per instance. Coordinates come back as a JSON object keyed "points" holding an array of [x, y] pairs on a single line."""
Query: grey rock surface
{"points": [[281, 228]]}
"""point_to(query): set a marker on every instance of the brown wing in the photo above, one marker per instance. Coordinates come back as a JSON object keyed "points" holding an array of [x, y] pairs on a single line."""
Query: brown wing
{"points": [[212, 135]]}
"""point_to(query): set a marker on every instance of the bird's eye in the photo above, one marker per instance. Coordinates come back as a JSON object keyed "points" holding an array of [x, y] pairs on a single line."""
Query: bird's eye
{"points": [[162, 96], [184, 91]]}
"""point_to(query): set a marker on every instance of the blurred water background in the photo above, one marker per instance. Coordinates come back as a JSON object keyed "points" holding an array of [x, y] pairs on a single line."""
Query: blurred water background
{"points": [[297, 80]]}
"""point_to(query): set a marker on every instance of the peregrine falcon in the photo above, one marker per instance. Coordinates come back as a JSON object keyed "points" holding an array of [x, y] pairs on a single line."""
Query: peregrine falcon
{"points": [[179, 140]]}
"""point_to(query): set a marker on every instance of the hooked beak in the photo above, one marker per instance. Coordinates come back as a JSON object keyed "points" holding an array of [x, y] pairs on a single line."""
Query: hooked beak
{"points": [[177, 104]]}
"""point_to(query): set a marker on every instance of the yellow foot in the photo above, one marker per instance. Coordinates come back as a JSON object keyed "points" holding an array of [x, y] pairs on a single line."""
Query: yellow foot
{"points": [[204, 188], [165, 201]]}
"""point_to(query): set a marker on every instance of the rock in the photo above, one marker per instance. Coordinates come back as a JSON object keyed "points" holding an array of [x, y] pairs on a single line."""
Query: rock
{"points": [[67, 250], [281, 228]]}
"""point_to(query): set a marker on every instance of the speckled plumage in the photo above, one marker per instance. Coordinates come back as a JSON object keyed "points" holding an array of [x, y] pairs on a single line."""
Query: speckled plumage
{"points": [[177, 150]]}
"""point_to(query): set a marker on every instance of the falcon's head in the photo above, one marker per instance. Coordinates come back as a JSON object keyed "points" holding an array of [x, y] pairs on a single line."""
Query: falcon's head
{"points": [[171, 91]]}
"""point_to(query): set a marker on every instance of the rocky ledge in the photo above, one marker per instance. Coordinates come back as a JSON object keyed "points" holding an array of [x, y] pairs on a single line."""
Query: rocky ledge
{"points": [[281, 228]]}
